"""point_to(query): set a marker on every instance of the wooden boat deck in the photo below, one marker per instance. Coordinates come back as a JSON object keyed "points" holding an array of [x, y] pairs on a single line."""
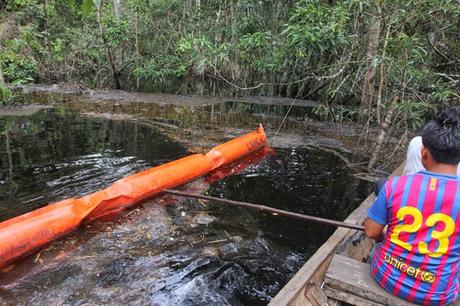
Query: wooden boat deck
{"points": [[349, 280]]}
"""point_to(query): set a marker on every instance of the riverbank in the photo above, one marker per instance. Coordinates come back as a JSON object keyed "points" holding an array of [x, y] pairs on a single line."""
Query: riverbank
{"points": [[181, 114]]}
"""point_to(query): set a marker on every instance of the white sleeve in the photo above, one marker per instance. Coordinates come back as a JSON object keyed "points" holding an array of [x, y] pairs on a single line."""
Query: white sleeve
{"points": [[414, 157]]}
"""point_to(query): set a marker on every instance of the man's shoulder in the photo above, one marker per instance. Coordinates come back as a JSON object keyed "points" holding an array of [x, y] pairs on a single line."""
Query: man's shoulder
{"points": [[421, 178], [393, 181], [400, 182], [420, 174]]}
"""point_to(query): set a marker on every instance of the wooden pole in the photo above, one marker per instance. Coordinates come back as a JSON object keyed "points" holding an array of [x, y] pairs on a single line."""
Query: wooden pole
{"points": [[264, 208]]}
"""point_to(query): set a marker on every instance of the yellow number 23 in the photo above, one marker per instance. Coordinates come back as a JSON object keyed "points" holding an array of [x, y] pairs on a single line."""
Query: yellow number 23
{"points": [[432, 220]]}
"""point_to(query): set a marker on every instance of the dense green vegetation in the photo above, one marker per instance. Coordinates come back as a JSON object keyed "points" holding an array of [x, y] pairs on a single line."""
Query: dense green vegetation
{"points": [[372, 54]]}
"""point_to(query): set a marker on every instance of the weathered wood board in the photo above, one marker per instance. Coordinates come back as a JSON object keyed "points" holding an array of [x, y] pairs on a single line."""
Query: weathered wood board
{"points": [[350, 276]]}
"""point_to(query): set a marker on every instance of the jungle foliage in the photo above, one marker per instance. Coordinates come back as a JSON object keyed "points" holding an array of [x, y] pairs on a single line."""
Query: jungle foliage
{"points": [[352, 55]]}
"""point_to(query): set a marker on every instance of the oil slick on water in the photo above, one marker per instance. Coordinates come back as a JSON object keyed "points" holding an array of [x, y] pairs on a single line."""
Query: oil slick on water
{"points": [[168, 250]]}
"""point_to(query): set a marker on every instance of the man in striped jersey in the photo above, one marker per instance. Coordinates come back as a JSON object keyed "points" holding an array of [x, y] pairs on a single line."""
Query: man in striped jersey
{"points": [[419, 254]]}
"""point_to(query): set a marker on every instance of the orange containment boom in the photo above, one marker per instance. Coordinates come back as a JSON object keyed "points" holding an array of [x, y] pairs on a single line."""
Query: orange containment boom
{"points": [[27, 233]]}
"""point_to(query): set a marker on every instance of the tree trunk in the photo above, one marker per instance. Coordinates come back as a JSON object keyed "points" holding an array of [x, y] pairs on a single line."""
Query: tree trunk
{"points": [[384, 128], [372, 48], [116, 8], [2, 78], [138, 53], [198, 8], [382, 74], [285, 88], [5, 93], [45, 9], [217, 42], [110, 58]]}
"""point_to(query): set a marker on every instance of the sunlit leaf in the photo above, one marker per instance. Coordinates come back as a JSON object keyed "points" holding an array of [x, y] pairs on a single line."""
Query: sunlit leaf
{"points": [[87, 6]]}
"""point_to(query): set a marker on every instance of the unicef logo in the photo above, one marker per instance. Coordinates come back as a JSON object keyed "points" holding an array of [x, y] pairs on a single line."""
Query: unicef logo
{"points": [[428, 277]]}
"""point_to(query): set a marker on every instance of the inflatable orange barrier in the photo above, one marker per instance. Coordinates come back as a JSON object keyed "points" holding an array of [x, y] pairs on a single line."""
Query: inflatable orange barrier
{"points": [[27, 233]]}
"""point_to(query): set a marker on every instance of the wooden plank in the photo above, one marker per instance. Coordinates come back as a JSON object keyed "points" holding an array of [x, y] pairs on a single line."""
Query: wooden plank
{"points": [[354, 299], [313, 271], [356, 246], [348, 298], [316, 295], [354, 277]]}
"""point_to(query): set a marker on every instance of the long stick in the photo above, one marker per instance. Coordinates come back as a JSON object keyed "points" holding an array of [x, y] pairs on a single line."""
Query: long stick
{"points": [[267, 209]]}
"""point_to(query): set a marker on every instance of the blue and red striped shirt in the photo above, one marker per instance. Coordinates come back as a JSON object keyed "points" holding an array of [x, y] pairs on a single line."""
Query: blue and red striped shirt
{"points": [[419, 257]]}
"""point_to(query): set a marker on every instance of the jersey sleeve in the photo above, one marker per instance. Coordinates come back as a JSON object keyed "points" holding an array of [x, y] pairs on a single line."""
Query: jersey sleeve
{"points": [[378, 210]]}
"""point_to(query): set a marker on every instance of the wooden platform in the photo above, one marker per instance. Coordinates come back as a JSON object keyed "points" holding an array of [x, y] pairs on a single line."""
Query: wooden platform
{"points": [[350, 281]]}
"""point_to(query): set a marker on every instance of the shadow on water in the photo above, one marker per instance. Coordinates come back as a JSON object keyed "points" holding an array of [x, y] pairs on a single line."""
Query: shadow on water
{"points": [[167, 251]]}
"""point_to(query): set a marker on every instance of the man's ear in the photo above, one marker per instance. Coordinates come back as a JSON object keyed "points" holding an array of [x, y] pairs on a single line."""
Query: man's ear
{"points": [[425, 157], [424, 153]]}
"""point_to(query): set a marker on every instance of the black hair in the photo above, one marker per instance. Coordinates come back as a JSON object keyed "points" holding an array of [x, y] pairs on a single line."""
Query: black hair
{"points": [[441, 136]]}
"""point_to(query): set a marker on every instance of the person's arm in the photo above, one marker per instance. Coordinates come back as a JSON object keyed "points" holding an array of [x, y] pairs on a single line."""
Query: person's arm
{"points": [[377, 217], [373, 229]]}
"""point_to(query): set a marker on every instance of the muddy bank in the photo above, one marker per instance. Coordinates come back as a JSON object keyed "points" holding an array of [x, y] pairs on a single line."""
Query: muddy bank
{"points": [[157, 98], [21, 111]]}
